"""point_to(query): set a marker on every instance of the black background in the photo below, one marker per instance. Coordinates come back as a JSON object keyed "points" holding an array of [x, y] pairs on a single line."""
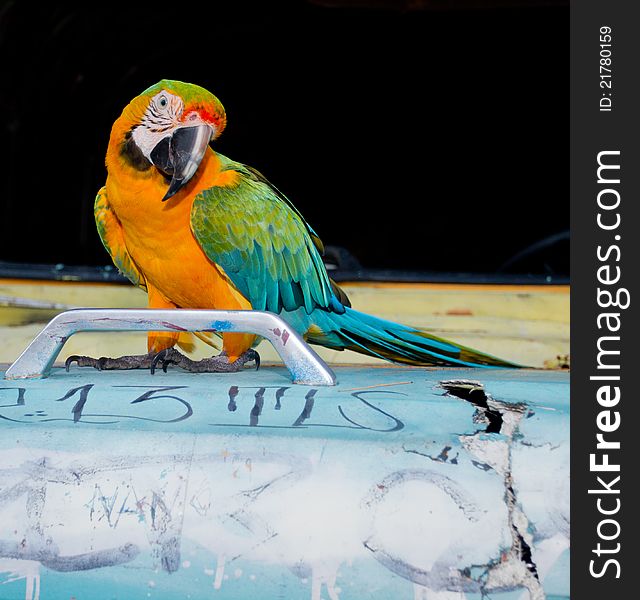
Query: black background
{"points": [[427, 139]]}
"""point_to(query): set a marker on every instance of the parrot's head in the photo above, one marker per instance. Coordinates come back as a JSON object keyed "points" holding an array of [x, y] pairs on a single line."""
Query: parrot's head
{"points": [[173, 123]]}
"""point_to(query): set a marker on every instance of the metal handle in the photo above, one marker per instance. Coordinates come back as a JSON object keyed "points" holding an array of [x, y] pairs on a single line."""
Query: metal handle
{"points": [[303, 363]]}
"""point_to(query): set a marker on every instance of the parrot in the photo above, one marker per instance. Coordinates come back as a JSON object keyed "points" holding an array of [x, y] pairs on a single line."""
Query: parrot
{"points": [[195, 229]]}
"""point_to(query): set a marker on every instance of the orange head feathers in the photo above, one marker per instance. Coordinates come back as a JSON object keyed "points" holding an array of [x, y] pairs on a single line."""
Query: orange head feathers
{"points": [[168, 126]]}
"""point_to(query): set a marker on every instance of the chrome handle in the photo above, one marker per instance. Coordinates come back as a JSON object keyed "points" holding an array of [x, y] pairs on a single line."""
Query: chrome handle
{"points": [[304, 364]]}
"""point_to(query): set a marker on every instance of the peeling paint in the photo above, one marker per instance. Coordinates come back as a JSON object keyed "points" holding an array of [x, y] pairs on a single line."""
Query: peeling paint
{"points": [[271, 489], [516, 567]]}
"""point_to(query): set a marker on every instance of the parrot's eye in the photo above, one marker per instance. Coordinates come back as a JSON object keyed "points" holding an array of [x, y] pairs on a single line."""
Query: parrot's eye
{"points": [[162, 101]]}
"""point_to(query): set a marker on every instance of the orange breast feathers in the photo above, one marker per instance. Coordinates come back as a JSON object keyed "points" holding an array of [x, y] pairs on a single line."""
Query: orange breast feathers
{"points": [[158, 234]]}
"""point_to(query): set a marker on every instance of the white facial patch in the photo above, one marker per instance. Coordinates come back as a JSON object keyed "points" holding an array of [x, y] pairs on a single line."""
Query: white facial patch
{"points": [[159, 121]]}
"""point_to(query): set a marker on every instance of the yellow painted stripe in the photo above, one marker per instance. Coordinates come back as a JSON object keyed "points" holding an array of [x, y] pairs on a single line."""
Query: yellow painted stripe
{"points": [[484, 287], [57, 282]]}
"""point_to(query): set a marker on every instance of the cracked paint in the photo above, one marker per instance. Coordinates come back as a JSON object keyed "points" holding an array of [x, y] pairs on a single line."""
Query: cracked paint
{"points": [[516, 567], [256, 488]]}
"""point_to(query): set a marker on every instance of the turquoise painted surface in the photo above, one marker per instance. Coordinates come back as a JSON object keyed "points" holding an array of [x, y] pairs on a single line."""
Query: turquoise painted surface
{"points": [[126, 485]]}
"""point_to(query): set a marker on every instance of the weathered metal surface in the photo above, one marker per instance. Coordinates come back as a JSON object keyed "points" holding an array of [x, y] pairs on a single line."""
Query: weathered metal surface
{"points": [[126, 485], [303, 363]]}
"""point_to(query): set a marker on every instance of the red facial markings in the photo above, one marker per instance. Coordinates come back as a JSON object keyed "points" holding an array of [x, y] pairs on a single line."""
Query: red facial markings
{"points": [[207, 113], [200, 112], [208, 117]]}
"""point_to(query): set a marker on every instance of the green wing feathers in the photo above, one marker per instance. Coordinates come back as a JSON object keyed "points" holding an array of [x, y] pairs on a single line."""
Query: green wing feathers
{"points": [[261, 241], [110, 231]]}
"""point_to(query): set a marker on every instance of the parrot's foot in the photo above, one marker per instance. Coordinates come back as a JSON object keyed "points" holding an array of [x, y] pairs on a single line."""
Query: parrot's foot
{"points": [[216, 364], [139, 361]]}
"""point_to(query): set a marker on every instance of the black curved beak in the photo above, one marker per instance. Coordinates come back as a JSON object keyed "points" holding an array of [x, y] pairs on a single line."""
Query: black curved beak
{"points": [[179, 156]]}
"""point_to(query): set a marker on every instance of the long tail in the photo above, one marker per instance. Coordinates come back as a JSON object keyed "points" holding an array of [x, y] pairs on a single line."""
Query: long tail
{"points": [[377, 337]]}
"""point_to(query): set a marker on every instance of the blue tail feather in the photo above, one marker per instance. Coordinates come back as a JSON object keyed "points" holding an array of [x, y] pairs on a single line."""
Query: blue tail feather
{"points": [[384, 339]]}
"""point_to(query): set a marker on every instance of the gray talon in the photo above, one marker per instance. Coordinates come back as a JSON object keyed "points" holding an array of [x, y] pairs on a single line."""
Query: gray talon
{"points": [[166, 357], [105, 363], [70, 361], [255, 357]]}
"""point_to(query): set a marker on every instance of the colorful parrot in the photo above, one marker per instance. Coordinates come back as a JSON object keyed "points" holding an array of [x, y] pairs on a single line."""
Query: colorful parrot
{"points": [[195, 229]]}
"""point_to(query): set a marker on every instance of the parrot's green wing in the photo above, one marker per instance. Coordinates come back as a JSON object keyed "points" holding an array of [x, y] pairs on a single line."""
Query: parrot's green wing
{"points": [[110, 231], [263, 244]]}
